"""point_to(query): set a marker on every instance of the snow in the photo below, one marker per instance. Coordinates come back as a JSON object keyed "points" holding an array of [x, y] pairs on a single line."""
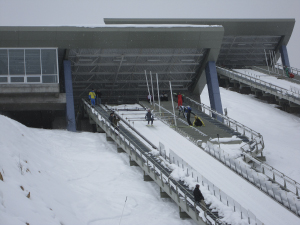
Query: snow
{"points": [[232, 184], [279, 129], [271, 79], [73, 178]]}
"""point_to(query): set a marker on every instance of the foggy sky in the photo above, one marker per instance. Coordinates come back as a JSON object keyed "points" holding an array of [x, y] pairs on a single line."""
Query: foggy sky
{"points": [[92, 12]]}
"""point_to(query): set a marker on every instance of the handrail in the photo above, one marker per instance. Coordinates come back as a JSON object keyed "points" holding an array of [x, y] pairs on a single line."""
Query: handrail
{"points": [[152, 165], [292, 69], [290, 95], [291, 202], [254, 136]]}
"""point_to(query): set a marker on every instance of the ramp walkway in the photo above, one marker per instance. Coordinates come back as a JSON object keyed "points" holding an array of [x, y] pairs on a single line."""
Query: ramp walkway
{"points": [[139, 150], [282, 90], [224, 182]]}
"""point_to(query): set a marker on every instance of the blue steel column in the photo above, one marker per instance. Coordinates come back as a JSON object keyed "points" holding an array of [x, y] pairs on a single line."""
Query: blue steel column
{"points": [[213, 87], [70, 112], [284, 56]]}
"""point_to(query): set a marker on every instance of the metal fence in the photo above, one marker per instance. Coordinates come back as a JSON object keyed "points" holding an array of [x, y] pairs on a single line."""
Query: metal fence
{"points": [[255, 82], [173, 158], [269, 180], [257, 143], [138, 152]]}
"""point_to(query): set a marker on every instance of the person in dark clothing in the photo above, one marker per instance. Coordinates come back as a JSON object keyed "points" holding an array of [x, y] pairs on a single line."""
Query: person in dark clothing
{"points": [[188, 111], [198, 122], [198, 195], [113, 120], [149, 117], [98, 94]]}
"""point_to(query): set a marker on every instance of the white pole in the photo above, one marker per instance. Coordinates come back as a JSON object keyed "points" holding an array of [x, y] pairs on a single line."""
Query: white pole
{"points": [[158, 93], [152, 89], [267, 60], [147, 86], [271, 60], [173, 104]]}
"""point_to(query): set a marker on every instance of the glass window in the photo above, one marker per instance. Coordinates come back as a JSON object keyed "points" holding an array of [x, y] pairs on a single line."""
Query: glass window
{"points": [[49, 65], [49, 79], [33, 79], [17, 79], [16, 62], [32, 61], [3, 62], [3, 79]]}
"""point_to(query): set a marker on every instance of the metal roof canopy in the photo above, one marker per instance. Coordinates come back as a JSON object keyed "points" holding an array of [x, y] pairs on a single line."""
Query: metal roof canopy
{"points": [[114, 58], [244, 39]]}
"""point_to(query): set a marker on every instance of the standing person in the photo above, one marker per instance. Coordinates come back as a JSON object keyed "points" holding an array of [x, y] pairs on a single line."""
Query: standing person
{"points": [[98, 94], [179, 100], [149, 97], [92, 97], [114, 120], [149, 117], [188, 111], [198, 195]]}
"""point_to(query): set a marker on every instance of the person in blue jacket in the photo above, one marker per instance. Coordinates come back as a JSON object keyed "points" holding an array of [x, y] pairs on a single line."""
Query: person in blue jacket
{"points": [[92, 97], [188, 111]]}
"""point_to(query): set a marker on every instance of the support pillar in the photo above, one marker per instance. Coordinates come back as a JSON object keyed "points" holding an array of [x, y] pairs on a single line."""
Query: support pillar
{"points": [[119, 149], [183, 215], [213, 87], [147, 177], [100, 130], [284, 56], [108, 138], [163, 194], [70, 111], [132, 162]]}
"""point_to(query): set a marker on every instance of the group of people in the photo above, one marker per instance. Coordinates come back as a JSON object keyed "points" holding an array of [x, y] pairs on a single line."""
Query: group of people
{"points": [[187, 111], [95, 96]]}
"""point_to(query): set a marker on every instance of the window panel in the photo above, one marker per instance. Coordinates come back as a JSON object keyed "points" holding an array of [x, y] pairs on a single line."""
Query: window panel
{"points": [[49, 65], [17, 79], [16, 62], [49, 79], [33, 79], [3, 79], [32, 61], [3, 62]]}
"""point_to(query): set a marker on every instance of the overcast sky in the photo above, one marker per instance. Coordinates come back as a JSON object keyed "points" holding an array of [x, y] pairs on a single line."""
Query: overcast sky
{"points": [[92, 12]]}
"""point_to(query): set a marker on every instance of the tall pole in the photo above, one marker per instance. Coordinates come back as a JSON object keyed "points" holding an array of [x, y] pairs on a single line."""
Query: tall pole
{"points": [[271, 60], [152, 89], [267, 60], [147, 86], [173, 104], [158, 93]]}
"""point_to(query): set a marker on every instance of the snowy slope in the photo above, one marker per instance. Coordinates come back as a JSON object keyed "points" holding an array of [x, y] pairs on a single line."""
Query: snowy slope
{"points": [[73, 178], [279, 129], [232, 184]]}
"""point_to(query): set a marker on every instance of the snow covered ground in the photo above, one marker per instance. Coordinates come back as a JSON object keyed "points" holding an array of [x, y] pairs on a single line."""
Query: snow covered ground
{"points": [[280, 129], [232, 184], [73, 178]]}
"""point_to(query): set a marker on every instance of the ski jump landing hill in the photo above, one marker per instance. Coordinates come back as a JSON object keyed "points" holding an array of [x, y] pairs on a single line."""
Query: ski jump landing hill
{"points": [[235, 193]]}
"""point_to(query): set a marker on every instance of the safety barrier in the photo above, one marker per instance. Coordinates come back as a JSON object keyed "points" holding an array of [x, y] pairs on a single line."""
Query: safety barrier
{"points": [[257, 143], [280, 92], [269, 180], [214, 190], [151, 165]]}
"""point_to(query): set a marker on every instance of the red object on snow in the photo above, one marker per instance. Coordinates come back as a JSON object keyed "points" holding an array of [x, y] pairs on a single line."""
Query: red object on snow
{"points": [[292, 75]]}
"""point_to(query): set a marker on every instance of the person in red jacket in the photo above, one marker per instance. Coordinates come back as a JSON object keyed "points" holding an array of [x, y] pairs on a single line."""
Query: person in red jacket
{"points": [[179, 97]]}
